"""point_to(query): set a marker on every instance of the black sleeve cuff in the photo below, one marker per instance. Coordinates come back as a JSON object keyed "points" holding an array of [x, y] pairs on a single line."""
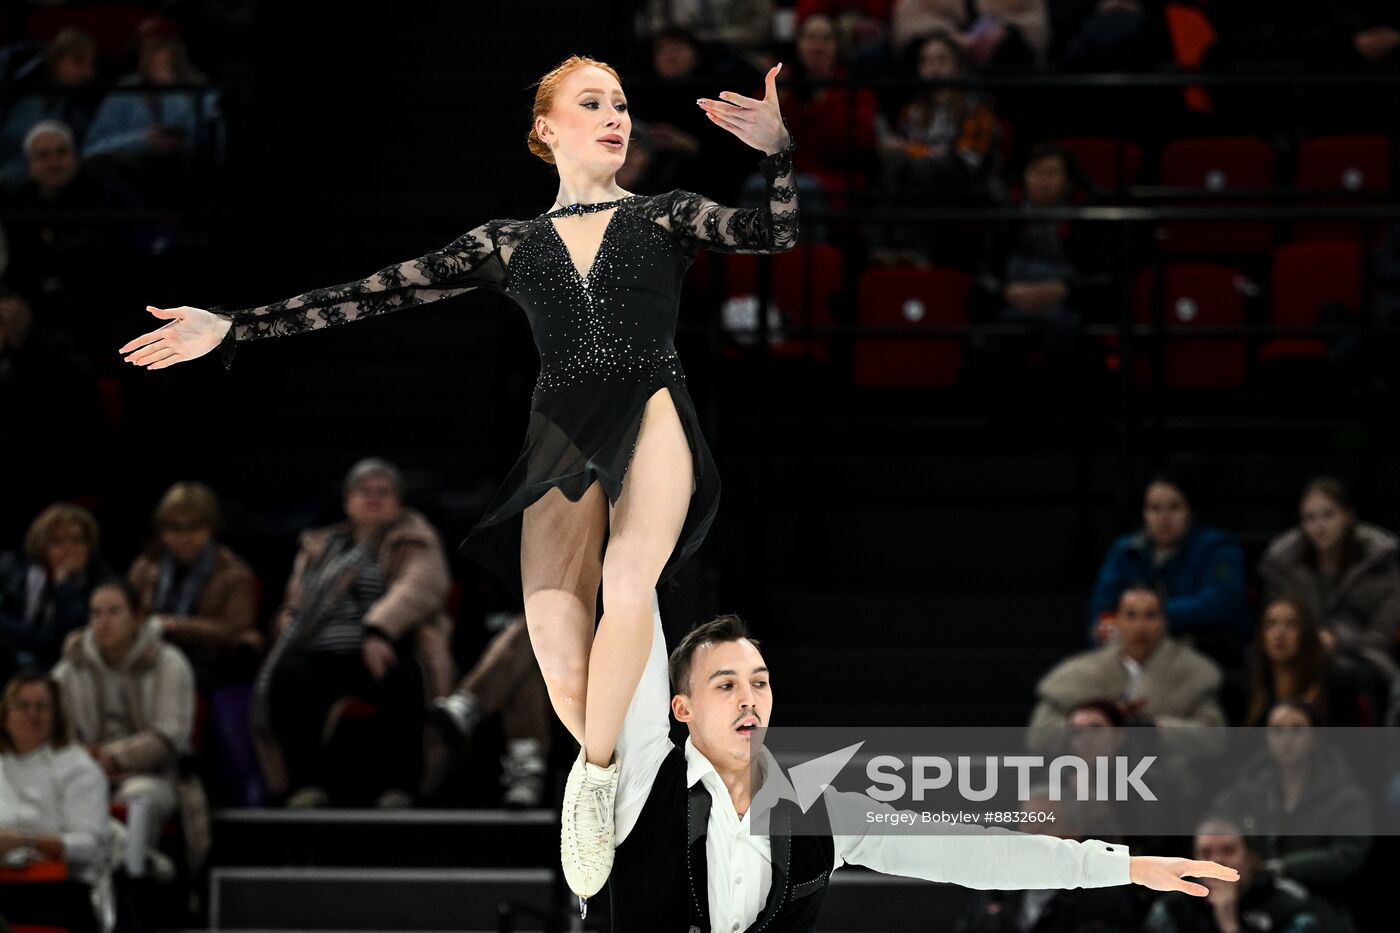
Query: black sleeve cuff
{"points": [[780, 162], [227, 345]]}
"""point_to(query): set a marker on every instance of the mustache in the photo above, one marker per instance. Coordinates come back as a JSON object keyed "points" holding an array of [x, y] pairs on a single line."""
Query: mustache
{"points": [[758, 720]]}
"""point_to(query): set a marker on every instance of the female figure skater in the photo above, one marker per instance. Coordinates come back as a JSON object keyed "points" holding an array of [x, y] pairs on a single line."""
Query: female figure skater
{"points": [[615, 485]]}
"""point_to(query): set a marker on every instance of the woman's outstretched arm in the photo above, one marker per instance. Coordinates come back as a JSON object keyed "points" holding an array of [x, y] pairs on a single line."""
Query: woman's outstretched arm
{"points": [[470, 261], [704, 224]]}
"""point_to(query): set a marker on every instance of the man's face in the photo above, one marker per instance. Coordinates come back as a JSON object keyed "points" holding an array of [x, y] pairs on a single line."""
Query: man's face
{"points": [[728, 697], [52, 162], [1166, 514], [1140, 624], [185, 536], [372, 502]]}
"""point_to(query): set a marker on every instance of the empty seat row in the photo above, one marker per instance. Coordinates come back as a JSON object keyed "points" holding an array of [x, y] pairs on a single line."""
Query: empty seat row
{"points": [[906, 308]]}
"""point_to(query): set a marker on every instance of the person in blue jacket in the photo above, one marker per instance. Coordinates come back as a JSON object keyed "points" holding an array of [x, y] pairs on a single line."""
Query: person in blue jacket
{"points": [[1199, 571]]}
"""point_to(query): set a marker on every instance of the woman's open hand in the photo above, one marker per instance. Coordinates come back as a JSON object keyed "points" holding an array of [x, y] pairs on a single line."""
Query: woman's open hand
{"points": [[756, 122], [189, 334]]}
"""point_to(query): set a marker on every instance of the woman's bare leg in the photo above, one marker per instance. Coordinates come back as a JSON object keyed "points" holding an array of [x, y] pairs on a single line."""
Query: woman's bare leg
{"points": [[645, 524], [560, 568]]}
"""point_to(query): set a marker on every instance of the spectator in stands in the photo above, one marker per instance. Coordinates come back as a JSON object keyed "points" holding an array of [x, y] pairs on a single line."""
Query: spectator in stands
{"points": [[1115, 909], [52, 419], [1107, 35], [1297, 797], [1045, 274], [1290, 661], [65, 89], [744, 25], [69, 264], [682, 136], [506, 681], [1157, 680], [53, 807], [942, 147], [147, 129], [200, 593], [132, 700], [863, 25], [1199, 569], [989, 32], [839, 121], [364, 617], [45, 589], [1258, 903], [1350, 32], [1345, 570], [911, 21]]}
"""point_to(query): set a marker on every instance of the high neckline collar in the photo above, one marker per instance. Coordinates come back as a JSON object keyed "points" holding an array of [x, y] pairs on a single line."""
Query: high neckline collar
{"points": [[588, 208]]}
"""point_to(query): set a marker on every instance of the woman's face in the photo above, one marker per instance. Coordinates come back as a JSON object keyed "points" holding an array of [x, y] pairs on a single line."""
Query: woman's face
{"points": [[1047, 182], [66, 546], [1289, 738], [29, 720], [816, 45], [158, 63], [589, 124], [1325, 522], [113, 623], [937, 60], [1166, 514], [1282, 633], [185, 536], [673, 58]]}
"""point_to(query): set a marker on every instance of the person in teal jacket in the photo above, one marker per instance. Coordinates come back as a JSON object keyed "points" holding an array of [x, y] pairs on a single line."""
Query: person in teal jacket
{"points": [[1198, 570]]}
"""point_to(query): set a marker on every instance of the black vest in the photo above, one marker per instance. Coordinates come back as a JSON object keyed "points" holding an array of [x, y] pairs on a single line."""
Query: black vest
{"points": [[659, 882]]}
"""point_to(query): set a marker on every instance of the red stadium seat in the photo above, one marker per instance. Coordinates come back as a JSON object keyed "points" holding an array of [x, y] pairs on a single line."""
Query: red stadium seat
{"points": [[1352, 164], [1308, 277], [912, 299], [1109, 163], [1218, 165], [806, 282], [1203, 295]]}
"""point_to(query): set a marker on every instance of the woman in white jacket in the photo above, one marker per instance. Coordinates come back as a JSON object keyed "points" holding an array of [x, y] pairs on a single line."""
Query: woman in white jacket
{"points": [[131, 698], [53, 808]]}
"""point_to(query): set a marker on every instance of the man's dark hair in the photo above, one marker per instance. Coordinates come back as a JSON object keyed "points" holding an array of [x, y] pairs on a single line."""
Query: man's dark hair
{"points": [[1143, 586], [718, 630]]}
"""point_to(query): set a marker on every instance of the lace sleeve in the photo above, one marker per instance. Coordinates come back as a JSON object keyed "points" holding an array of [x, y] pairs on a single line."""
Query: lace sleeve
{"points": [[470, 261], [700, 223]]}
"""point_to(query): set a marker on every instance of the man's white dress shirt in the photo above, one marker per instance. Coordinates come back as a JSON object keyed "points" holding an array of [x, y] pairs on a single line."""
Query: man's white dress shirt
{"points": [[739, 864]]}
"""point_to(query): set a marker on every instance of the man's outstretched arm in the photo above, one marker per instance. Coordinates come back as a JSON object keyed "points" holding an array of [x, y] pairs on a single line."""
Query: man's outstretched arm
{"points": [[992, 858]]}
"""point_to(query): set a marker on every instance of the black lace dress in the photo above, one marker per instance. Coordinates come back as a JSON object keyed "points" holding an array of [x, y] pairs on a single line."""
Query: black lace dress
{"points": [[605, 338]]}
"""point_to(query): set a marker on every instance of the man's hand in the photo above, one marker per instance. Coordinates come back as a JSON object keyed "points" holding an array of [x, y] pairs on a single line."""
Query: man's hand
{"points": [[1167, 874], [379, 657]]}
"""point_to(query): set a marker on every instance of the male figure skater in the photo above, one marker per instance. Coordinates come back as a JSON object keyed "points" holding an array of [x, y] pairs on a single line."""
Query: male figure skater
{"points": [[686, 861]]}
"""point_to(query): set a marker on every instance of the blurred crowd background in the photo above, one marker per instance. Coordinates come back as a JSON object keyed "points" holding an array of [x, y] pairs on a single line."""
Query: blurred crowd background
{"points": [[1074, 405]]}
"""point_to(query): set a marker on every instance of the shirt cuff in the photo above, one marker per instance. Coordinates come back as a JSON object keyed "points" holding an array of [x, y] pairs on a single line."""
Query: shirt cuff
{"points": [[1105, 864]]}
